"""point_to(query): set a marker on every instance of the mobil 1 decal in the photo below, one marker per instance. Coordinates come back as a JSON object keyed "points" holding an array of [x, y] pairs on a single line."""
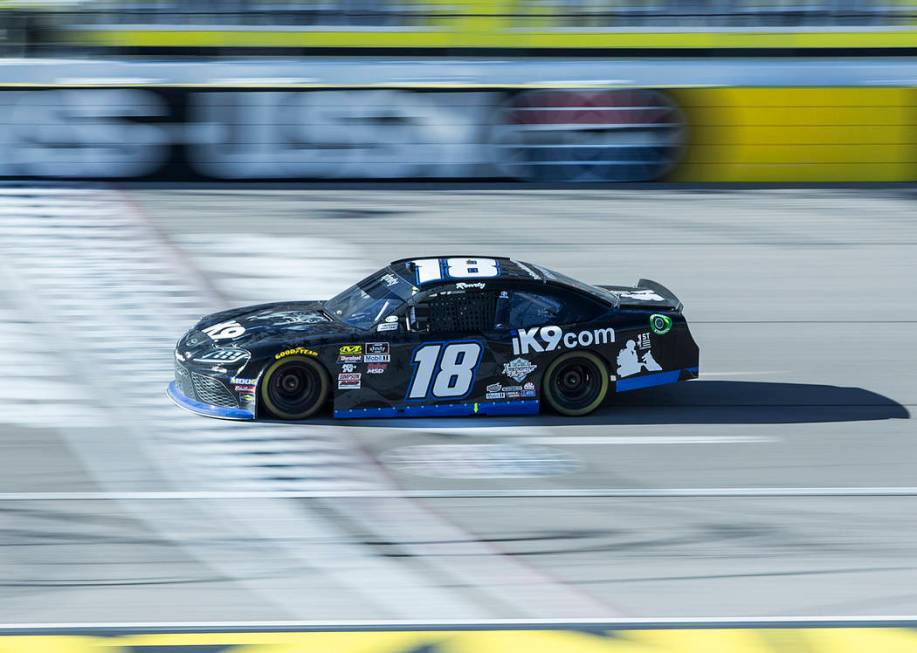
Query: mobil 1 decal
{"points": [[376, 355], [550, 338], [444, 370], [376, 352]]}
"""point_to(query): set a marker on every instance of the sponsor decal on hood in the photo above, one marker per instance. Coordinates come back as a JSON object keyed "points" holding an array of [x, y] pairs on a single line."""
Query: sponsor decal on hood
{"points": [[286, 318], [224, 356]]}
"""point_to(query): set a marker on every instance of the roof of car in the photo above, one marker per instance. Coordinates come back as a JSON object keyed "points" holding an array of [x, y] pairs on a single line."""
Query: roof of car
{"points": [[508, 268]]}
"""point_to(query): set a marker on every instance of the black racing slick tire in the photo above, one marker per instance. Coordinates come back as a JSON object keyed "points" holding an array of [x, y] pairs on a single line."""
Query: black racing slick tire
{"points": [[295, 387], [575, 383]]}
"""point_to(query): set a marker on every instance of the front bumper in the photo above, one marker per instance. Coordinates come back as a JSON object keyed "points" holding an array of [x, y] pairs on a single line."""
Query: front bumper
{"points": [[200, 408]]}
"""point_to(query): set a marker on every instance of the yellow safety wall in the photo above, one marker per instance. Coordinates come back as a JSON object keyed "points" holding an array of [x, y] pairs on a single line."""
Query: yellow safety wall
{"points": [[838, 640], [798, 135], [476, 32], [502, 24]]}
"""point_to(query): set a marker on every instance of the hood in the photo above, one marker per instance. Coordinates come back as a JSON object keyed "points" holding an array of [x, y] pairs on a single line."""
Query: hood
{"points": [[277, 323]]}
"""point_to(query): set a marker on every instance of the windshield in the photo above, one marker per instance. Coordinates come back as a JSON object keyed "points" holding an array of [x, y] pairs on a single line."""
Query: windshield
{"points": [[371, 300]]}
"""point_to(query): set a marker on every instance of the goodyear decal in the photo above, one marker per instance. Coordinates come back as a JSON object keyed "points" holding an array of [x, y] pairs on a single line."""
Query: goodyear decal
{"points": [[810, 640], [301, 351]]}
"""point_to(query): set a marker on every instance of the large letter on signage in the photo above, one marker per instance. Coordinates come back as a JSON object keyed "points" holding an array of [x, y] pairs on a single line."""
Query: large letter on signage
{"points": [[527, 341]]}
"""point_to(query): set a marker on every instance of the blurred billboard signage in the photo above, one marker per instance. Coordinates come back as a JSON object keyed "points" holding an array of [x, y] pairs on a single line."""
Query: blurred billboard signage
{"points": [[688, 134], [604, 135], [243, 134]]}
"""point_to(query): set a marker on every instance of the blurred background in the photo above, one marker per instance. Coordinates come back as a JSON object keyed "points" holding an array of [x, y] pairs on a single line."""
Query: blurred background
{"points": [[522, 25], [161, 160]]}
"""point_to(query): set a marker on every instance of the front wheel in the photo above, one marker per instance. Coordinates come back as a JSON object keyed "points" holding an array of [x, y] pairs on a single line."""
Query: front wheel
{"points": [[294, 388], [576, 383]]}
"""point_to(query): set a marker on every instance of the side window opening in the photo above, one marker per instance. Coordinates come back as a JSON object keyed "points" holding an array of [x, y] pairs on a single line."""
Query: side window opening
{"points": [[528, 309], [449, 312]]}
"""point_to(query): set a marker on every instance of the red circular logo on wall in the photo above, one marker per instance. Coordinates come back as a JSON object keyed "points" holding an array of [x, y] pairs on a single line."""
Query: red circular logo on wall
{"points": [[588, 135]]}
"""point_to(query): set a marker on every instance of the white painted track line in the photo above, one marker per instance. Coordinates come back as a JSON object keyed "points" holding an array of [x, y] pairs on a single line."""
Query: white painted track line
{"points": [[490, 624], [905, 491], [648, 439]]}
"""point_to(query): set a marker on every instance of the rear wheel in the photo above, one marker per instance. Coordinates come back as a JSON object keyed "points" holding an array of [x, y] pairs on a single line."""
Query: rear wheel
{"points": [[294, 388], [576, 383]]}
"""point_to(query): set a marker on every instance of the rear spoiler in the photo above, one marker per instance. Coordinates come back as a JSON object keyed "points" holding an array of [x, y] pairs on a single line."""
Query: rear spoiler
{"points": [[669, 302], [659, 289]]}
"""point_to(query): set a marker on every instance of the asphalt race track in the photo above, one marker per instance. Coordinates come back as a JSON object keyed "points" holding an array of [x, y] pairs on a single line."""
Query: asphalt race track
{"points": [[783, 482]]}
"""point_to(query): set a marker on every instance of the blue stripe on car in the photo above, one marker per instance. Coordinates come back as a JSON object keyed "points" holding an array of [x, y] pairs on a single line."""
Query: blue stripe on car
{"points": [[647, 381], [205, 409], [523, 407]]}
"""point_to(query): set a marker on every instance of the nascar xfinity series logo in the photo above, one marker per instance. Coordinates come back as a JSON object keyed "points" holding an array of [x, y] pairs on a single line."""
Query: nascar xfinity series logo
{"points": [[549, 338]]}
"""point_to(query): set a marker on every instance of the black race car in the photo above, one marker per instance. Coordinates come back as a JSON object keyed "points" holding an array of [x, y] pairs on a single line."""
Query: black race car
{"points": [[453, 335]]}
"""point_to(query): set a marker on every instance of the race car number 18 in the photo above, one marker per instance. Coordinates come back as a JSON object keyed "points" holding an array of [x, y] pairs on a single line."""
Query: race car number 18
{"points": [[448, 368], [432, 269]]}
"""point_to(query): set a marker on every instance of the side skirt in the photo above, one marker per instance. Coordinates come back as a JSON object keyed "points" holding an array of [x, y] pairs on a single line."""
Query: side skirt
{"points": [[659, 378], [523, 407]]}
